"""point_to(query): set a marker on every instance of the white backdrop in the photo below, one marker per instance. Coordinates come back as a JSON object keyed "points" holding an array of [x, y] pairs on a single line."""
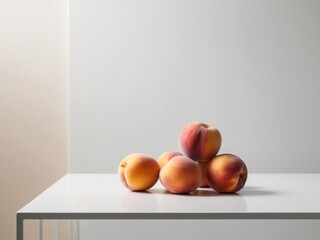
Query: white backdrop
{"points": [[141, 70]]}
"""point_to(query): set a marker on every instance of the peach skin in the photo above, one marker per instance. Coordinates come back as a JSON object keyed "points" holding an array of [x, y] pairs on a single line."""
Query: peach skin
{"points": [[203, 166], [180, 175], [138, 172], [226, 173], [166, 156], [200, 141]]}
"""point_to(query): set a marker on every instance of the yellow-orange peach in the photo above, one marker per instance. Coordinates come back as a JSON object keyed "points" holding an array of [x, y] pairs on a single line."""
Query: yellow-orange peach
{"points": [[200, 141], [180, 175], [166, 156], [138, 172], [226, 173], [203, 166]]}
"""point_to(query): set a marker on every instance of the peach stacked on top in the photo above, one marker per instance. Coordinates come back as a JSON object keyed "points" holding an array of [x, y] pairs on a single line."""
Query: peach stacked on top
{"points": [[197, 166], [200, 141]]}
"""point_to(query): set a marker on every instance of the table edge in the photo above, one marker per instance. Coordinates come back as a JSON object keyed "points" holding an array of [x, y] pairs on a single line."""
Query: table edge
{"points": [[171, 215]]}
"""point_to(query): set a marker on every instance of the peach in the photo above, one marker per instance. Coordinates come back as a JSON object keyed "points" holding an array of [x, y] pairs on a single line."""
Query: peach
{"points": [[200, 141], [203, 166], [180, 175], [138, 172], [166, 156], [226, 173]]}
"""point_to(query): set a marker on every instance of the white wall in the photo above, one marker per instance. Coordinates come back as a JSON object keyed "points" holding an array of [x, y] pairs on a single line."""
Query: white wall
{"points": [[33, 103], [141, 70]]}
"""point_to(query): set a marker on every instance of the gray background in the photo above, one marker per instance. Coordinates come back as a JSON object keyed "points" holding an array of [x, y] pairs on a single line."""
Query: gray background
{"points": [[141, 70]]}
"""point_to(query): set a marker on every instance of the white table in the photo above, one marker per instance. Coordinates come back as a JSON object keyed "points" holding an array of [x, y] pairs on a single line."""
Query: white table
{"points": [[102, 196]]}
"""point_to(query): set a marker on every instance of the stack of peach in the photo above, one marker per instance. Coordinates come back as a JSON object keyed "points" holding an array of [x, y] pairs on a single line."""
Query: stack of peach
{"points": [[197, 166]]}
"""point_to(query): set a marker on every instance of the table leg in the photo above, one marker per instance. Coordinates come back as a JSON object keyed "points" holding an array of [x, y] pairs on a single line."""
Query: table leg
{"points": [[58, 230], [19, 227], [40, 229], [70, 229], [78, 229]]}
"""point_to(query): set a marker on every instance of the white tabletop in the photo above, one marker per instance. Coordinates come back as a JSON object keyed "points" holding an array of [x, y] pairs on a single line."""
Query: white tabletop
{"points": [[102, 196]]}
